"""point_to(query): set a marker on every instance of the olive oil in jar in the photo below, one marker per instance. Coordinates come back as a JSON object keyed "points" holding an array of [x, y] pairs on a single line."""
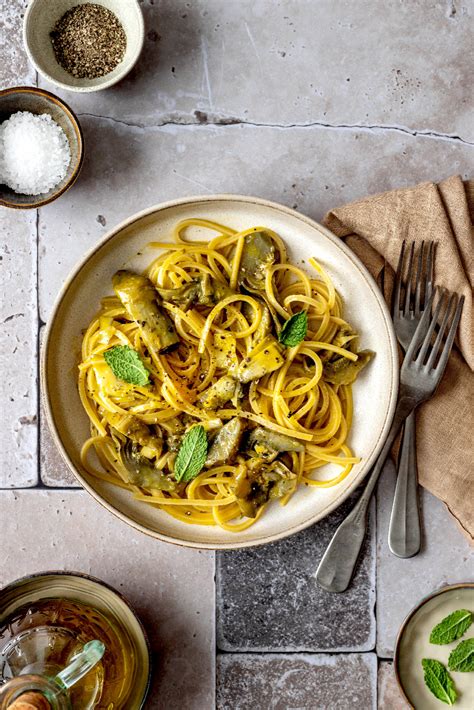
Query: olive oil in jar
{"points": [[42, 637]]}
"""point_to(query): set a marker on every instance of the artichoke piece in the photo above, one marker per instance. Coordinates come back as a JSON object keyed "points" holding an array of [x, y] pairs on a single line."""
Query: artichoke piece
{"points": [[342, 371], [174, 430], [219, 393], [268, 444], [263, 359], [183, 295], [133, 428], [142, 473], [344, 336], [257, 255], [139, 297], [203, 290], [226, 350], [265, 326], [261, 482], [227, 442]]}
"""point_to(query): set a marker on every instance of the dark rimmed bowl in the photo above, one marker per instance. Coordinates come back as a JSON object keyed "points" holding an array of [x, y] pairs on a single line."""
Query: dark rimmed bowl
{"points": [[88, 590], [38, 101], [421, 619]]}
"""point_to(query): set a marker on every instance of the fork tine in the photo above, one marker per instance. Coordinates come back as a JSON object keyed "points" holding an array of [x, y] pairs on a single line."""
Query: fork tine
{"points": [[409, 279], [432, 326], [420, 330], [439, 338], [448, 344], [398, 281], [429, 271], [419, 279]]}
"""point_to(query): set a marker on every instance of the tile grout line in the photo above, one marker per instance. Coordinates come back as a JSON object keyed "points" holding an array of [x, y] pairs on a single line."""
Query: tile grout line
{"points": [[38, 346], [38, 331]]}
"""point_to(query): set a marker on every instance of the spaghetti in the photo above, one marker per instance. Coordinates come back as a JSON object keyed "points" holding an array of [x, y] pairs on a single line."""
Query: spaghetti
{"points": [[206, 321]]}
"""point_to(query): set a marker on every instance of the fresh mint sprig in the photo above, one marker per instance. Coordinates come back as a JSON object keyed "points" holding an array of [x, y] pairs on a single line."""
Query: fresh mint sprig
{"points": [[461, 659], [451, 627], [294, 330], [191, 455], [438, 681], [127, 365]]}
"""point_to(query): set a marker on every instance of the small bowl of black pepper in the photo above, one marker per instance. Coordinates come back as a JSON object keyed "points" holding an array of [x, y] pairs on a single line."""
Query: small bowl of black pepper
{"points": [[83, 46]]}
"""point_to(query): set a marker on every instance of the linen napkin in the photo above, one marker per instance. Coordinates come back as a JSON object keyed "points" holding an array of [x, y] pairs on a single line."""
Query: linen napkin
{"points": [[374, 229]]}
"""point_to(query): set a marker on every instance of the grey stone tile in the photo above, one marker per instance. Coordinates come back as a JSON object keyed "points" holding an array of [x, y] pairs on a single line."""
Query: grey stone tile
{"points": [[73, 532], [296, 682], [18, 346], [53, 470], [15, 70], [313, 169], [268, 600], [388, 694], [390, 63], [446, 558]]}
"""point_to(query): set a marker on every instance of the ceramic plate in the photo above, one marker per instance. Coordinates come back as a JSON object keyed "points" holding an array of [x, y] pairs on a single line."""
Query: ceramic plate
{"points": [[413, 645], [126, 246]]}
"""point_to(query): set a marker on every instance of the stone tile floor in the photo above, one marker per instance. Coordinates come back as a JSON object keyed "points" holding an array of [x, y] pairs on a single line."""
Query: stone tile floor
{"points": [[310, 103]]}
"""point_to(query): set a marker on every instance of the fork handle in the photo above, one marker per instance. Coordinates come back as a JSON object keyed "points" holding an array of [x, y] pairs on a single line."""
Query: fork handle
{"points": [[336, 568], [404, 535]]}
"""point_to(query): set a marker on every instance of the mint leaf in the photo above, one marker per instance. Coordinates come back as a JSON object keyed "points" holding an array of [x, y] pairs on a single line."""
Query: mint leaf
{"points": [[438, 680], [127, 365], [462, 657], [191, 455], [294, 330], [451, 627]]}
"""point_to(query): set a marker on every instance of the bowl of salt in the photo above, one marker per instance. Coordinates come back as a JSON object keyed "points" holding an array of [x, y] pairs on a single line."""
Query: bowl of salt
{"points": [[41, 147]]}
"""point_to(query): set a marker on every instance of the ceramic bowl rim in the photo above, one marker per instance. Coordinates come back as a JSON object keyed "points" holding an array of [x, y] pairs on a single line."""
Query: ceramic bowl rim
{"points": [[99, 582], [80, 143], [424, 600], [86, 89], [170, 204]]}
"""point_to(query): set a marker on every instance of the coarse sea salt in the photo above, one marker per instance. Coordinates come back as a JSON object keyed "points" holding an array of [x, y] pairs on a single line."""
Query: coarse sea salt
{"points": [[34, 153]]}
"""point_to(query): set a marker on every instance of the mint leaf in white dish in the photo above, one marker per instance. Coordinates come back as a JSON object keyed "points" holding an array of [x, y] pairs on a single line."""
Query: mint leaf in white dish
{"points": [[438, 681], [461, 659], [451, 627]]}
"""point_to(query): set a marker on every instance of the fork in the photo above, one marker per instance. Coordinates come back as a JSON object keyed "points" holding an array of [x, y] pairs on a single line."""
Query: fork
{"points": [[421, 372], [404, 537]]}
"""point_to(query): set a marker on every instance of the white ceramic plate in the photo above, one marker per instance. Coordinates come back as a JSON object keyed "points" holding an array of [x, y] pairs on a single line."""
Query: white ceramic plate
{"points": [[375, 391], [413, 645]]}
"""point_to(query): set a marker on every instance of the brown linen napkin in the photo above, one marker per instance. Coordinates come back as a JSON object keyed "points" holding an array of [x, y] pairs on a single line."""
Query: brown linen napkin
{"points": [[374, 229]]}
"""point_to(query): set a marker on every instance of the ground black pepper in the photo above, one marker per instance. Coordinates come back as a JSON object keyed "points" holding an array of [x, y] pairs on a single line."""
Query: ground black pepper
{"points": [[88, 41]]}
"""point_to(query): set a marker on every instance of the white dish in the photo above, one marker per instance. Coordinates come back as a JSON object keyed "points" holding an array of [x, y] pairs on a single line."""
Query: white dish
{"points": [[375, 391], [42, 15], [413, 645]]}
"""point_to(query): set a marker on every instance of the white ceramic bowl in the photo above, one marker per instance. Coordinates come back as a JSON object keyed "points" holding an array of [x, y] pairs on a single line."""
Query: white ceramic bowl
{"points": [[41, 17], [375, 391]]}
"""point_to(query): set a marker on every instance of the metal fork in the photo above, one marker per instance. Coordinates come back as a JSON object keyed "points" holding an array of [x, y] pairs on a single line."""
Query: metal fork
{"points": [[404, 537], [419, 377]]}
